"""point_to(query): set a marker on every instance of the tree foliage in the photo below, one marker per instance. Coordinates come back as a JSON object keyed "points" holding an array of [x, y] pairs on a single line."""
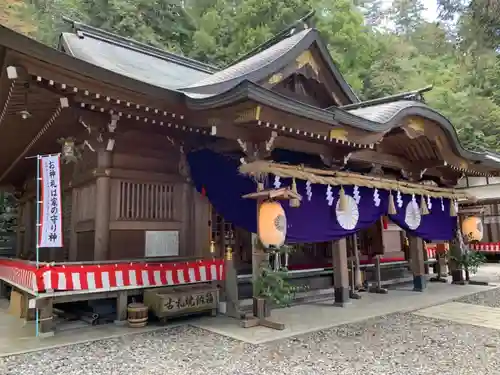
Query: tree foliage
{"points": [[380, 51]]}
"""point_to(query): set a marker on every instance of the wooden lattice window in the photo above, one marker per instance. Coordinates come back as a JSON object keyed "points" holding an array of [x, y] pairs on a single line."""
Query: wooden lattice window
{"points": [[145, 201]]}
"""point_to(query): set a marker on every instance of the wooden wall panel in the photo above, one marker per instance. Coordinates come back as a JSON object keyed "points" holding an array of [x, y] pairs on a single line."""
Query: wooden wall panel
{"points": [[86, 201], [85, 242], [126, 244]]}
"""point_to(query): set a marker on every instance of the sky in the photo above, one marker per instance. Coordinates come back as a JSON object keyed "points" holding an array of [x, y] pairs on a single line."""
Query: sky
{"points": [[431, 10], [430, 13]]}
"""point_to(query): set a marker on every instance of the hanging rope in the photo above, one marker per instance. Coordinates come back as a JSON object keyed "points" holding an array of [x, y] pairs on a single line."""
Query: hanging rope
{"points": [[324, 177]]}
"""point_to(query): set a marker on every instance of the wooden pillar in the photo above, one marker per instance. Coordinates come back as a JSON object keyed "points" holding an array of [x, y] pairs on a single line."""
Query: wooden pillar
{"points": [[3, 289], [426, 258], [102, 210], [46, 317], [231, 287], [494, 224], [121, 307], [222, 238], [29, 227], [186, 237], [201, 225], [357, 273], [417, 263], [19, 232], [259, 257], [340, 272], [73, 246], [443, 266]]}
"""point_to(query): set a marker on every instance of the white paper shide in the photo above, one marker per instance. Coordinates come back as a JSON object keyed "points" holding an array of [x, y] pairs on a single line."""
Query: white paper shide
{"points": [[51, 234]]}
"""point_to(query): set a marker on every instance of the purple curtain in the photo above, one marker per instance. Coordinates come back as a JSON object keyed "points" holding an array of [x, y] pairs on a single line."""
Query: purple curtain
{"points": [[224, 187], [316, 220], [438, 225]]}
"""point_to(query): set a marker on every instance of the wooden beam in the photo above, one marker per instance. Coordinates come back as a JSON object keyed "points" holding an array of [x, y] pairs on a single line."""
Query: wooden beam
{"points": [[231, 134], [373, 157]]}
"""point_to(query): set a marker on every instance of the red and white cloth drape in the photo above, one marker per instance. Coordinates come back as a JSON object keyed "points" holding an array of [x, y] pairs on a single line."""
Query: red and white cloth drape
{"points": [[107, 277]]}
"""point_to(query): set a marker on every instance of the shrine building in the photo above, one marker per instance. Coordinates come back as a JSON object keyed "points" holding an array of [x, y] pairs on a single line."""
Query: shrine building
{"points": [[158, 151]]}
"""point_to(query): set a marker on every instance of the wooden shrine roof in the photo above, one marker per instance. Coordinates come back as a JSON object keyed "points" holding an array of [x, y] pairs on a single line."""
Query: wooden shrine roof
{"points": [[133, 59], [152, 90], [196, 79], [267, 62]]}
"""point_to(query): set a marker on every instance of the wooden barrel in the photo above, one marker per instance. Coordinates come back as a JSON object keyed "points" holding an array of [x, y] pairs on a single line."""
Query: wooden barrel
{"points": [[137, 315]]}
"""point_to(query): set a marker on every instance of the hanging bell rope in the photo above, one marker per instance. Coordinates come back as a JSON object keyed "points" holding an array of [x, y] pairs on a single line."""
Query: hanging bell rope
{"points": [[335, 178], [294, 202], [453, 210], [343, 204], [391, 209], [424, 210]]}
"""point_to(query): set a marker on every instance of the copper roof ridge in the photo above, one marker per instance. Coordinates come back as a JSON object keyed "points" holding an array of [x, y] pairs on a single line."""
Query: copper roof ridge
{"points": [[278, 37], [387, 99], [82, 30]]}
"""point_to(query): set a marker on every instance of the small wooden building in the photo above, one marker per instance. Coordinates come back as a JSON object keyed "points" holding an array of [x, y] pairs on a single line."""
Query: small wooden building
{"points": [[138, 113]]}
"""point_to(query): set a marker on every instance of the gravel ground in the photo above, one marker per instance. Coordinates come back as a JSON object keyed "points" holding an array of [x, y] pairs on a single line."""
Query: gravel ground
{"points": [[489, 298], [402, 344]]}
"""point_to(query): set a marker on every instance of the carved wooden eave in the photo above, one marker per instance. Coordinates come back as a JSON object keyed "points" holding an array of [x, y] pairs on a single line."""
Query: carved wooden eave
{"points": [[423, 149], [308, 67], [428, 131], [59, 109]]}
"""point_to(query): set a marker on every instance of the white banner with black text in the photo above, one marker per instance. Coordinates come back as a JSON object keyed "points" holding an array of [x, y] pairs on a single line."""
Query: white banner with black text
{"points": [[51, 232]]}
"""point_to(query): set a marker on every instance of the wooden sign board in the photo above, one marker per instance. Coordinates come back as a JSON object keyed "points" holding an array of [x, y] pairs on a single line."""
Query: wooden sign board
{"points": [[162, 244]]}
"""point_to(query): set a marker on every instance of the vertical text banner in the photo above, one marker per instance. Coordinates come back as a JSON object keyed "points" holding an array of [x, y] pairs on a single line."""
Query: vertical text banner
{"points": [[51, 234]]}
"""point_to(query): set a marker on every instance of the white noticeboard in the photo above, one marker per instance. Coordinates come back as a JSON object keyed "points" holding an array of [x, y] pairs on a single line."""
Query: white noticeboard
{"points": [[162, 243]]}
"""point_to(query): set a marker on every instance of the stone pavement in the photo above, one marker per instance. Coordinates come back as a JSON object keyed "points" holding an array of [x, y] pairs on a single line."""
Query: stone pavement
{"points": [[317, 316], [464, 313], [489, 272]]}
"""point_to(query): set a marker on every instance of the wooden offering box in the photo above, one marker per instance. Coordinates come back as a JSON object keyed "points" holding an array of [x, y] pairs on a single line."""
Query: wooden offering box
{"points": [[182, 300]]}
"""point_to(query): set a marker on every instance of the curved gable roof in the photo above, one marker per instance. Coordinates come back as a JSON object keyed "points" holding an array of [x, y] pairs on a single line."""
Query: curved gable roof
{"points": [[170, 71], [267, 62], [388, 115], [257, 66]]}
